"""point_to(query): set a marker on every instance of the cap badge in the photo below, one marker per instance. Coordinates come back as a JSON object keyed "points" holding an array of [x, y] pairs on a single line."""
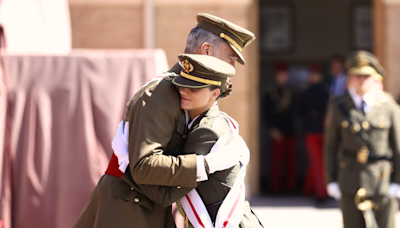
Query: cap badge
{"points": [[187, 67], [362, 59]]}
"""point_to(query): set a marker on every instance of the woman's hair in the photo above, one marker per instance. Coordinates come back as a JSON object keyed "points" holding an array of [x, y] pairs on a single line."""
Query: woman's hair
{"points": [[225, 89], [198, 37]]}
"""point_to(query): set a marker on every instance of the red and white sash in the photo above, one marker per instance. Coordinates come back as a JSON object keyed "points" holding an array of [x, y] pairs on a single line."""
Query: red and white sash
{"points": [[231, 210], [229, 214]]}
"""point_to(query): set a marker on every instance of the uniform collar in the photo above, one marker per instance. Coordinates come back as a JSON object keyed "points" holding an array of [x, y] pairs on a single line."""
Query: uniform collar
{"points": [[369, 98], [212, 112], [176, 68]]}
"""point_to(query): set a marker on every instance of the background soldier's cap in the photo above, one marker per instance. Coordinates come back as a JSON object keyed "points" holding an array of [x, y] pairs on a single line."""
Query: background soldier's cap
{"points": [[364, 63], [236, 36], [200, 71]]}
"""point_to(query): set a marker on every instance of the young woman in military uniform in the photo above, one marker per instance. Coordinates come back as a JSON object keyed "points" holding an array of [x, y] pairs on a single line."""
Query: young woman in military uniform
{"points": [[201, 82]]}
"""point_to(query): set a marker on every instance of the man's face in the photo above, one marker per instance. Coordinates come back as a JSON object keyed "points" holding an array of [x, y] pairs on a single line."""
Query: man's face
{"points": [[362, 83], [314, 78], [281, 77], [336, 67], [226, 53]]}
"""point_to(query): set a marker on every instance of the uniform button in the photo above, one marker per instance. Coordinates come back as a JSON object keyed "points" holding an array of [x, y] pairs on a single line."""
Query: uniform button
{"points": [[355, 128], [184, 136], [137, 200], [132, 188], [178, 186], [365, 125], [381, 124], [342, 164], [345, 124]]}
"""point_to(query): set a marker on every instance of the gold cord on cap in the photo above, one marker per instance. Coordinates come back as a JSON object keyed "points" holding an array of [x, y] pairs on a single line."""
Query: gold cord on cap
{"points": [[365, 70], [201, 80], [230, 40]]}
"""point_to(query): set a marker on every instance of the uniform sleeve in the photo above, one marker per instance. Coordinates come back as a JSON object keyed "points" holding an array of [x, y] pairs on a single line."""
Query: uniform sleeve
{"points": [[395, 143], [331, 144], [199, 142], [152, 120]]}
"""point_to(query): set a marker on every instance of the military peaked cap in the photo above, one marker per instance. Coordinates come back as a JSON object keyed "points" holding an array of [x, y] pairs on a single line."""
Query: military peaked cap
{"points": [[364, 63], [200, 71], [236, 36]]}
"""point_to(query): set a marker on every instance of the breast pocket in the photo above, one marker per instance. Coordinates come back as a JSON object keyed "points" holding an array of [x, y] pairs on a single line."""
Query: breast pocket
{"points": [[379, 128]]}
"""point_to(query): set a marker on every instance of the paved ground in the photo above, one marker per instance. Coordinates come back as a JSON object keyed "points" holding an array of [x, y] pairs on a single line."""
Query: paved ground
{"points": [[298, 212]]}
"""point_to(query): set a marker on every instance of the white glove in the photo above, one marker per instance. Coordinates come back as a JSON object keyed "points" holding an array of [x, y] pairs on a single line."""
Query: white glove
{"points": [[240, 146], [120, 145], [394, 190], [334, 190], [223, 156]]}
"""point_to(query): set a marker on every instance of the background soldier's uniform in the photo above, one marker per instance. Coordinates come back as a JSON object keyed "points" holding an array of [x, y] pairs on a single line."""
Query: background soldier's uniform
{"points": [[278, 110], [343, 160]]}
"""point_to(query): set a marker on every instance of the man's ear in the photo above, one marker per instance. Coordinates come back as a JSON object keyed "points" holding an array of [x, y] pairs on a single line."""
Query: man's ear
{"points": [[206, 49]]}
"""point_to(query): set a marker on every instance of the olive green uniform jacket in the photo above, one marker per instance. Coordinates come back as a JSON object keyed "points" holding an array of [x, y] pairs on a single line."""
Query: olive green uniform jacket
{"points": [[382, 125], [203, 134], [156, 135]]}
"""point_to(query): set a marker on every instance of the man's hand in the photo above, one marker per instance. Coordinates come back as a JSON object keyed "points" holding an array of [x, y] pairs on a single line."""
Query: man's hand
{"points": [[120, 145], [224, 156], [333, 190], [394, 190]]}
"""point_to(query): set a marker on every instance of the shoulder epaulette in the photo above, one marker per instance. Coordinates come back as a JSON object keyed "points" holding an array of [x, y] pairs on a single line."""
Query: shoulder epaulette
{"points": [[206, 122]]}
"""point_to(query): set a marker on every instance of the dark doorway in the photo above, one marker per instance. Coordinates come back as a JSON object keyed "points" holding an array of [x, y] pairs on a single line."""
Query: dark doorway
{"points": [[302, 36]]}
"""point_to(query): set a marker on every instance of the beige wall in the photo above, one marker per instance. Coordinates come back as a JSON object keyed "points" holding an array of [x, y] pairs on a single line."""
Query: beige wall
{"points": [[104, 25], [119, 24], [386, 45]]}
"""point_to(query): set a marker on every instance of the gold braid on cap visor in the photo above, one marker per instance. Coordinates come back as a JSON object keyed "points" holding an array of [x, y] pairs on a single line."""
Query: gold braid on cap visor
{"points": [[230, 40], [365, 70], [201, 80]]}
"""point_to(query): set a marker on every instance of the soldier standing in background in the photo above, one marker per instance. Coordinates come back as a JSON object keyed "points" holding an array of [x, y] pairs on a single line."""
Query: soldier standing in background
{"points": [[337, 76], [278, 110], [362, 144], [311, 110]]}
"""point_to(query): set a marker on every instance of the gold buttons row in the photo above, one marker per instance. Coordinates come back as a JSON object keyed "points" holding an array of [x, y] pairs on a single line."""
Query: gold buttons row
{"points": [[365, 125]]}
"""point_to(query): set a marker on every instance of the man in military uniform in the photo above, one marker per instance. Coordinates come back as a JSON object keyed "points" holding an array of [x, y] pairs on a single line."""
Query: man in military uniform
{"points": [[135, 195], [278, 110], [362, 146]]}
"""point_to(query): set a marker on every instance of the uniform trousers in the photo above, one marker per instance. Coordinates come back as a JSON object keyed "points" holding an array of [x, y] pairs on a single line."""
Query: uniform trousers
{"points": [[283, 155], [315, 179], [385, 214]]}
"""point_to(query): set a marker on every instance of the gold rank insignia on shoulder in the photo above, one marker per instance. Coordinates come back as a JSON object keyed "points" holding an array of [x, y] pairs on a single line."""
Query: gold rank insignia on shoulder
{"points": [[187, 67], [362, 155]]}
